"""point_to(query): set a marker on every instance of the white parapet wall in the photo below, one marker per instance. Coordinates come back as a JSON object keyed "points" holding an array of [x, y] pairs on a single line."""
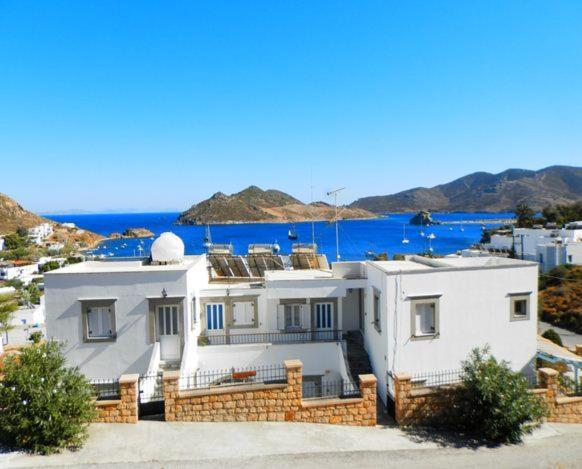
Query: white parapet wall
{"points": [[323, 359]]}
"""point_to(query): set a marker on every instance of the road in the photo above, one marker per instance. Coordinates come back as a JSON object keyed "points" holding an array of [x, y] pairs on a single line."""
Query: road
{"points": [[291, 445]]}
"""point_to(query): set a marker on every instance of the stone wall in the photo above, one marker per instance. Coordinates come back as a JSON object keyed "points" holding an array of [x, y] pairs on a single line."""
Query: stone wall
{"points": [[124, 409], [561, 408], [268, 402], [414, 406]]}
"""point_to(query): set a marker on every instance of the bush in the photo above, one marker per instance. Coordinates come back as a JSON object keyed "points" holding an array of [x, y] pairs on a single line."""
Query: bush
{"points": [[48, 266], [552, 335], [493, 402], [44, 406], [35, 337]]}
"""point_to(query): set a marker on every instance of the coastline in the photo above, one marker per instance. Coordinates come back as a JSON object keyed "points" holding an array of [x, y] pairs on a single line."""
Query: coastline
{"points": [[280, 222]]}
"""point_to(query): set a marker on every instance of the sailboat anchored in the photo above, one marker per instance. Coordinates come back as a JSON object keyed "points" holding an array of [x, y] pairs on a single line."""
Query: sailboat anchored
{"points": [[292, 233], [404, 239], [207, 237]]}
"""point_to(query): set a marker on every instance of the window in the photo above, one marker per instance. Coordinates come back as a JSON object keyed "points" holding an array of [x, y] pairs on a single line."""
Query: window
{"points": [[570, 259], [424, 317], [377, 311], [99, 320], [323, 316], [519, 304], [214, 316], [243, 313], [541, 258], [293, 316]]}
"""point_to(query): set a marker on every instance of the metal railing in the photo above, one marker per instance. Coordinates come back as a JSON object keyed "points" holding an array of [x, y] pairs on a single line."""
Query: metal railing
{"points": [[436, 378], [335, 388], [433, 379], [204, 379], [271, 337], [106, 389]]}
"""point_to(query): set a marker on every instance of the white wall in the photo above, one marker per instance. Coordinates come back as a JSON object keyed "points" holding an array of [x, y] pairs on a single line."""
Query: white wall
{"points": [[317, 358], [131, 351]]}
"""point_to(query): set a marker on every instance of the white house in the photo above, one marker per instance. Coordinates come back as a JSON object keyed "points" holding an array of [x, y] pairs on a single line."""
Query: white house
{"points": [[1, 243], [18, 270], [223, 311], [550, 247], [39, 233]]}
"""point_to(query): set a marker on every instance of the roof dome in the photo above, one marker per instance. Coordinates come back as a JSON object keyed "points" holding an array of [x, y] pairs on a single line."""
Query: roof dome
{"points": [[167, 249]]}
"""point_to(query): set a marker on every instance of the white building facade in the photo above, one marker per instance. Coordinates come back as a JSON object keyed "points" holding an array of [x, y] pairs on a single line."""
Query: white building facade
{"points": [[417, 315]]}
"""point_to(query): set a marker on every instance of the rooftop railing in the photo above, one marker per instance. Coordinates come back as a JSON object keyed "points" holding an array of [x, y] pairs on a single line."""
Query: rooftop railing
{"points": [[271, 337]]}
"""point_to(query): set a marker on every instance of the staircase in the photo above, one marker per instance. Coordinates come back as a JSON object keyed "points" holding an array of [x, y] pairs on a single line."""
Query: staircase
{"points": [[359, 363], [357, 356]]}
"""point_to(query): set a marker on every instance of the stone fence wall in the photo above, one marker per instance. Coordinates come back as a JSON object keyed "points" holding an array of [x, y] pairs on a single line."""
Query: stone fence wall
{"points": [[417, 406], [268, 402], [124, 409]]}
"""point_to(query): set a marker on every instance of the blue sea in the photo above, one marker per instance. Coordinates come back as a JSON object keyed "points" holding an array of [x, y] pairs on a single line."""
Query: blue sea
{"points": [[356, 237]]}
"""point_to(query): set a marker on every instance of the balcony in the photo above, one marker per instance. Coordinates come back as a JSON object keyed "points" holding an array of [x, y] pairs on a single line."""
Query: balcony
{"points": [[291, 337]]}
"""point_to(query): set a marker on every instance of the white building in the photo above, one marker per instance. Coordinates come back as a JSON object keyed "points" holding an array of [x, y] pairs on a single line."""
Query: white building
{"points": [[550, 247], [222, 311], [1, 244], [19, 271], [40, 232]]}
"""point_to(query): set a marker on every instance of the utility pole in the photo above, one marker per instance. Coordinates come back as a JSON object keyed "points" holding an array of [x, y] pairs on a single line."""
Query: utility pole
{"points": [[335, 193]]}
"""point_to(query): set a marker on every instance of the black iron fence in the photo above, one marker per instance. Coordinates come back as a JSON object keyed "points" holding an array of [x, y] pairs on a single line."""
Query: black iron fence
{"points": [[340, 388], [266, 374], [106, 389], [271, 337]]}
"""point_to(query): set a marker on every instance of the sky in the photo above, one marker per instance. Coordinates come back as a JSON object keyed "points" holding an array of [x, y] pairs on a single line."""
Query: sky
{"points": [[144, 106]]}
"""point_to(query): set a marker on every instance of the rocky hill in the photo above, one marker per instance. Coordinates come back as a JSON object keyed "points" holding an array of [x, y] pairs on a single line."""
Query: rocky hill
{"points": [[13, 215], [254, 205], [486, 192]]}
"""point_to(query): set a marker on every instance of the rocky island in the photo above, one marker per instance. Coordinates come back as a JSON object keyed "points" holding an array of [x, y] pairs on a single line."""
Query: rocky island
{"points": [[132, 233], [254, 205], [423, 218]]}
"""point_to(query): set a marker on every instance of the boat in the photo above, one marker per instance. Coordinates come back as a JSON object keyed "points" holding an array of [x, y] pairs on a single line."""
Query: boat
{"points": [[404, 239], [276, 248], [421, 231], [292, 233], [371, 255], [431, 236], [207, 237], [462, 229]]}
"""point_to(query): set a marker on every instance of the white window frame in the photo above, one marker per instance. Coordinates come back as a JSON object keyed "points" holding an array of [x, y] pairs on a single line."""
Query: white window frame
{"points": [[296, 314], [415, 331], [211, 323], [513, 299], [325, 310]]}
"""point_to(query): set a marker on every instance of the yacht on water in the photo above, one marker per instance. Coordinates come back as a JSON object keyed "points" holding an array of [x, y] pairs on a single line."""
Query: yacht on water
{"points": [[292, 233], [207, 237], [404, 239]]}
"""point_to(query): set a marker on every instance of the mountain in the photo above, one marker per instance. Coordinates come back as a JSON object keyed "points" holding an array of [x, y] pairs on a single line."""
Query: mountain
{"points": [[486, 192], [13, 215], [254, 205]]}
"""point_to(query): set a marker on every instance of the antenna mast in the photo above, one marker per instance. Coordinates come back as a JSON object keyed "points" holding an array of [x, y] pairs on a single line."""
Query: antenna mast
{"points": [[335, 193]]}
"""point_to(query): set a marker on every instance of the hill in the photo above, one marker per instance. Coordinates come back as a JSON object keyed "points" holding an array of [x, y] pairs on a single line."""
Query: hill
{"points": [[560, 297], [254, 205], [13, 215], [486, 192]]}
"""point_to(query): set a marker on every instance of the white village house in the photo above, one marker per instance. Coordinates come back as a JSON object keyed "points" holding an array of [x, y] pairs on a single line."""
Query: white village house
{"points": [[222, 311], [550, 246]]}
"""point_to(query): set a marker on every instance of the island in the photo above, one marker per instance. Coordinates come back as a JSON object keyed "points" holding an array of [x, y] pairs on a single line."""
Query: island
{"points": [[254, 205], [132, 233]]}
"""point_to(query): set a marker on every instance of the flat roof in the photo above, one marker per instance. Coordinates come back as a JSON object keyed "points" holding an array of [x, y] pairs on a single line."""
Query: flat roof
{"points": [[311, 274], [418, 263], [115, 266]]}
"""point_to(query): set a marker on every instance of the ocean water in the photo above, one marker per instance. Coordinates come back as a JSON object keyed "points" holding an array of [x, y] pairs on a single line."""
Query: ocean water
{"points": [[356, 237]]}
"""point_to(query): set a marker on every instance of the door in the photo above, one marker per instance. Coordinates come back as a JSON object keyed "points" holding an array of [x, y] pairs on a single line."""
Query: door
{"points": [[324, 316], [168, 332]]}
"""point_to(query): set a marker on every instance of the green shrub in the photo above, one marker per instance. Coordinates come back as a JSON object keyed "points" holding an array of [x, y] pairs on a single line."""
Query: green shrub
{"points": [[552, 335], [35, 337], [493, 403], [48, 266], [44, 406]]}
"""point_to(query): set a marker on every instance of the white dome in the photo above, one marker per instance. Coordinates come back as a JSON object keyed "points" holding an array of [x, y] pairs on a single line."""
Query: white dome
{"points": [[168, 248]]}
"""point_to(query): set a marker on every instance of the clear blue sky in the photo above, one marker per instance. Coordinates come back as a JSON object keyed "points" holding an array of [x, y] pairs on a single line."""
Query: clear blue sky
{"points": [[154, 105]]}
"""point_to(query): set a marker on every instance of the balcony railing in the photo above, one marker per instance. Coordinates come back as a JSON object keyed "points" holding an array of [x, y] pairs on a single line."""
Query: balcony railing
{"points": [[271, 337], [203, 379]]}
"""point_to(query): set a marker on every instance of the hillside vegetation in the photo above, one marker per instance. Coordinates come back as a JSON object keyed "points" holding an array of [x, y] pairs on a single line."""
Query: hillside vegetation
{"points": [[486, 192], [560, 297], [13, 215]]}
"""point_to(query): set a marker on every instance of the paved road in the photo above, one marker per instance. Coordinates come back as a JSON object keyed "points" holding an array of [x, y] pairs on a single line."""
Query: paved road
{"points": [[569, 339], [250, 445]]}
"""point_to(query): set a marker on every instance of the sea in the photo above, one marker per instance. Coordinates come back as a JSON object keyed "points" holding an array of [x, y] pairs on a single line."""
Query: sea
{"points": [[357, 238]]}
